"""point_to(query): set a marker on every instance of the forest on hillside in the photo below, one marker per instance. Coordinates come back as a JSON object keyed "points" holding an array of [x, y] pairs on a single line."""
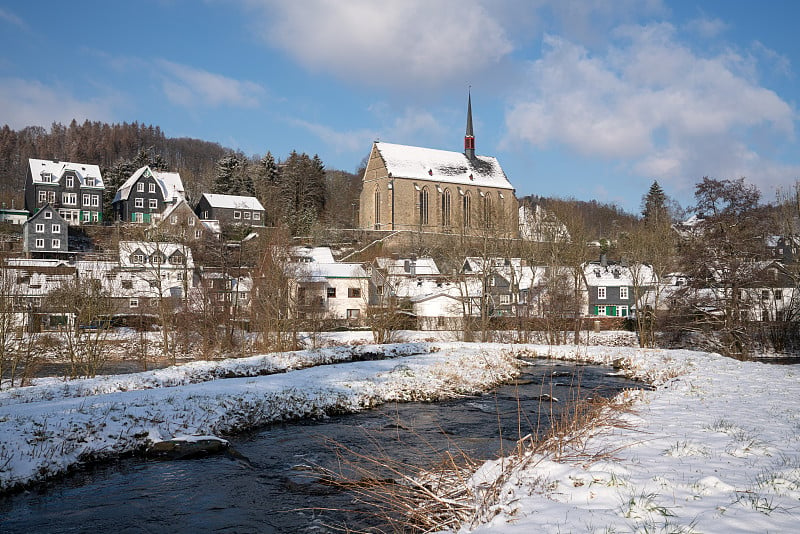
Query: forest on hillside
{"points": [[298, 191]]}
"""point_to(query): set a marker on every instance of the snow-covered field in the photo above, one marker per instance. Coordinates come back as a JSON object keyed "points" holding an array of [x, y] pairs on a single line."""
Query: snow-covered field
{"points": [[714, 447]]}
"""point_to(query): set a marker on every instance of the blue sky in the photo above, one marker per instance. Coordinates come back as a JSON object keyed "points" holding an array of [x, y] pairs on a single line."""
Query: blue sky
{"points": [[588, 99]]}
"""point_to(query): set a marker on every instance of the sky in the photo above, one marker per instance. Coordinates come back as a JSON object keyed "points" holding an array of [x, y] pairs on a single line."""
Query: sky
{"points": [[584, 99]]}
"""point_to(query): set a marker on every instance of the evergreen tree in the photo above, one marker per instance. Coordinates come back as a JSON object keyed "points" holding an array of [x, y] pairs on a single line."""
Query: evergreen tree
{"points": [[302, 191], [655, 211]]}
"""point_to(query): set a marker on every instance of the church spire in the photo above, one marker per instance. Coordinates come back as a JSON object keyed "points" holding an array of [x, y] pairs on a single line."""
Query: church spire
{"points": [[469, 137]]}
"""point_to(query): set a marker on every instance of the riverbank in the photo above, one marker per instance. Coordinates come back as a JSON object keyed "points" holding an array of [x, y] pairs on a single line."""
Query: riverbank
{"points": [[54, 426], [715, 447]]}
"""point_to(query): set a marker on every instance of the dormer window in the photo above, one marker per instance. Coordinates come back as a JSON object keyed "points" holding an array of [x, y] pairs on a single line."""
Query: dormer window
{"points": [[47, 177], [70, 182], [137, 257], [89, 181], [597, 273]]}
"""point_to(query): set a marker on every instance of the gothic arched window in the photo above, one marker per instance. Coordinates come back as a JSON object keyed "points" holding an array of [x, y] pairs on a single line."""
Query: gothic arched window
{"points": [[466, 203], [377, 207], [446, 208], [487, 210], [423, 206]]}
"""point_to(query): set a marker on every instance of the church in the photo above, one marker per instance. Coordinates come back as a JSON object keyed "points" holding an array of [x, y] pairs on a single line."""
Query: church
{"points": [[423, 189]]}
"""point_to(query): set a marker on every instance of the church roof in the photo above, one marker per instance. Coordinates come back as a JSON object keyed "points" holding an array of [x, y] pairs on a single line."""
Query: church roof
{"points": [[431, 165]]}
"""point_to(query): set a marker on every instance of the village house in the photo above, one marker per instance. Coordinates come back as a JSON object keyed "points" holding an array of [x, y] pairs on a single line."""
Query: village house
{"points": [[146, 194], [45, 234], [180, 222], [611, 288], [75, 190], [324, 289], [230, 209], [428, 190]]}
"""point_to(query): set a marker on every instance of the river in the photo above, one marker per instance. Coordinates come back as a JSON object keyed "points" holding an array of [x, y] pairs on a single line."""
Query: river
{"points": [[271, 483]]}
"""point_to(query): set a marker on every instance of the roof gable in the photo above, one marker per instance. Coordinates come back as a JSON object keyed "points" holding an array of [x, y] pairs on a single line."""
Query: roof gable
{"points": [[56, 169]]}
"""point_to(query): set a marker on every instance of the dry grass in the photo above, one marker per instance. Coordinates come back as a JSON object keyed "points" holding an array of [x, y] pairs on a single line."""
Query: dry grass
{"points": [[447, 495]]}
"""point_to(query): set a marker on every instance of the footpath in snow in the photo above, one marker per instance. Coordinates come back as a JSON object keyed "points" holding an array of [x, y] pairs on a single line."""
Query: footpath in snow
{"points": [[714, 448]]}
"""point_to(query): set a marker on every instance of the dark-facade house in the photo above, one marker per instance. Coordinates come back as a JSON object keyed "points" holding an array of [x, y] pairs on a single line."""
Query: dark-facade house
{"points": [[612, 289], [45, 233], [146, 194], [75, 190], [423, 189], [180, 222], [230, 209]]}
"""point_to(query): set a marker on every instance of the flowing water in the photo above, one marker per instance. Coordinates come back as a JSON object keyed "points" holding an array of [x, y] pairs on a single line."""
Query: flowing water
{"points": [[271, 482]]}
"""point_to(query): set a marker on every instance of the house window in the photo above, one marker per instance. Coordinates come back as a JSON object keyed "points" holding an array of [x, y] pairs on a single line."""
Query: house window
{"points": [[51, 197], [247, 215], [69, 199], [153, 204], [96, 216], [89, 181], [55, 243], [133, 303], [87, 216], [47, 177], [55, 228], [256, 216], [70, 181], [190, 220], [152, 188], [505, 299], [601, 311], [331, 292], [173, 219], [137, 258], [423, 206], [778, 294], [140, 187], [237, 214], [87, 199], [179, 277], [765, 294], [48, 215], [354, 292], [137, 217], [95, 201], [353, 314], [205, 214], [198, 234], [601, 293], [42, 197], [622, 311], [39, 243], [138, 203], [623, 293], [39, 228]]}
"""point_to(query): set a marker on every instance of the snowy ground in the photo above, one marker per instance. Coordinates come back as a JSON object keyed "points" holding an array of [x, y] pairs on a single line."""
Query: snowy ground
{"points": [[714, 448], [53, 426]]}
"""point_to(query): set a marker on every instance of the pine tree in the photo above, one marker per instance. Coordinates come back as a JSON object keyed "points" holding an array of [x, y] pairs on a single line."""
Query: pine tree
{"points": [[655, 210]]}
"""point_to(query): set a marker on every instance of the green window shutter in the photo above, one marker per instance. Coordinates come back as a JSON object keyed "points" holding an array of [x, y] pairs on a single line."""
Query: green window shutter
{"points": [[133, 217], [146, 217], [611, 311]]}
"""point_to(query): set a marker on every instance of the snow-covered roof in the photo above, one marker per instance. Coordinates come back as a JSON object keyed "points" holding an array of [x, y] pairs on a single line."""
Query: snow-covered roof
{"points": [[148, 248], [233, 201], [614, 274], [432, 165], [213, 225], [423, 266], [56, 170], [169, 182], [324, 271], [313, 254]]}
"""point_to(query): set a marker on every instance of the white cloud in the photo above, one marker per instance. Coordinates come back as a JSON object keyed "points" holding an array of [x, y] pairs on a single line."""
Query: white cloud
{"points": [[190, 87], [706, 27], [12, 19], [653, 104], [408, 43], [32, 103]]}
